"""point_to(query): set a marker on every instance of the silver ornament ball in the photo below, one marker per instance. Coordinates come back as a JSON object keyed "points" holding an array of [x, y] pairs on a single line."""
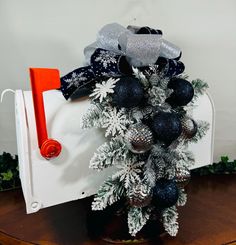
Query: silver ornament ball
{"points": [[139, 138], [189, 127], [182, 176], [139, 196]]}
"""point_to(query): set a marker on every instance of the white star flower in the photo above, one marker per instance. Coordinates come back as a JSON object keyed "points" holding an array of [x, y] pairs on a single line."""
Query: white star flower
{"points": [[102, 89], [115, 121], [129, 173]]}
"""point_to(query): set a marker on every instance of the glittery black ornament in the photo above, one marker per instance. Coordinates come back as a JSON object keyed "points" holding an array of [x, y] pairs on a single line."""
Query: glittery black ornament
{"points": [[182, 94], [165, 193], [128, 92], [167, 126]]}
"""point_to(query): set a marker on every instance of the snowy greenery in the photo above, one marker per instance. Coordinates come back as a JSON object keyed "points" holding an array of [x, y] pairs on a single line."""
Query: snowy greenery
{"points": [[182, 198], [92, 117], [199, 86], [142, 170], [170, 223], [203, 127], [109, 154], [110, 192], [137, 218]]}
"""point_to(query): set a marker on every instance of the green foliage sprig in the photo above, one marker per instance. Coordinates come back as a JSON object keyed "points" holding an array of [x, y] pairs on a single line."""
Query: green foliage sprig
{"points": [[9, 172], [223, 167]]}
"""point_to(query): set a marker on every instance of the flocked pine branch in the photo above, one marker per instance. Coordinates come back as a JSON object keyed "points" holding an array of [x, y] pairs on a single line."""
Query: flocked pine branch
{"points": [[137, 218], [182, 198], [164, 161], [109, 154], [110, 192], [199, 87], [92, 117], [149, 173], [185, 158], [170, 223], [203, 127], [156, 163]]}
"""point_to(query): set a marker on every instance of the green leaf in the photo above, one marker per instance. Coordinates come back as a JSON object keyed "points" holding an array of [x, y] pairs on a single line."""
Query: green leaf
{"points": [[7, 176], [224, 159]]}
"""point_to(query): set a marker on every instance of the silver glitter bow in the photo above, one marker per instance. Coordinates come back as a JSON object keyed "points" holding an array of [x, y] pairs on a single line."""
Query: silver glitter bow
{"points": [[139, 49]]}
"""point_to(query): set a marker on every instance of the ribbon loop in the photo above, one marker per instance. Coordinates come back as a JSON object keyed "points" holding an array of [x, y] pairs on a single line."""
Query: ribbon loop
{"points": [[142, 50], [114, 53]]}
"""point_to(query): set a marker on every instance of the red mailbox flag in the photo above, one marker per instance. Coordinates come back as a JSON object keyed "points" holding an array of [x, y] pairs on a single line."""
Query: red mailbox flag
{"points": [[43, 79]]}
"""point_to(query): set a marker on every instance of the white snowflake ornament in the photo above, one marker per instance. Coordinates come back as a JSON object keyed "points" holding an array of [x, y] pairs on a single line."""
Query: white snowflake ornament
{"points": [[129, 173], [115, 121]]}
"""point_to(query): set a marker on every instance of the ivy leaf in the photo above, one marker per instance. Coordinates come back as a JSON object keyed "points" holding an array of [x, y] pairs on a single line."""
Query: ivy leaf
{"points": [[7, 176], [224, 159]]}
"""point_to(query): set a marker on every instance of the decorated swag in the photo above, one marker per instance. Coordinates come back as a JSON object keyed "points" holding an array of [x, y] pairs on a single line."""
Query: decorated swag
{"points": [[140, 97]]}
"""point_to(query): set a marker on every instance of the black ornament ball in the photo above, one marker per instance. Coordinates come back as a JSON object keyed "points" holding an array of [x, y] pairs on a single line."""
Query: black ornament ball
{"points": [[182, 94], [128, 92], [167, 126], [165, 193]]}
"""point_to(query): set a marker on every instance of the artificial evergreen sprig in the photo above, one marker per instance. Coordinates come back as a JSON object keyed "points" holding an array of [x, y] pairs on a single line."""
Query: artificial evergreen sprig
{"points": [[92, 118], [137, 218], [203, 127], [169, 218], [9, 172], [110, 192], [199, 87], [182, 198], [109, 154]]}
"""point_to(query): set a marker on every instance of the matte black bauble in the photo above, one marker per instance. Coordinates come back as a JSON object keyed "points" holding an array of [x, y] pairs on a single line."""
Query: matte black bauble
{"points": [[128, 92], [167, 126], [165, 193], [182, 94]]}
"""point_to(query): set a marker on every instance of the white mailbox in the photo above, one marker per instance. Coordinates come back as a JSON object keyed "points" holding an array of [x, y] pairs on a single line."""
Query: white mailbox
{"points": [[68, 177]]}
